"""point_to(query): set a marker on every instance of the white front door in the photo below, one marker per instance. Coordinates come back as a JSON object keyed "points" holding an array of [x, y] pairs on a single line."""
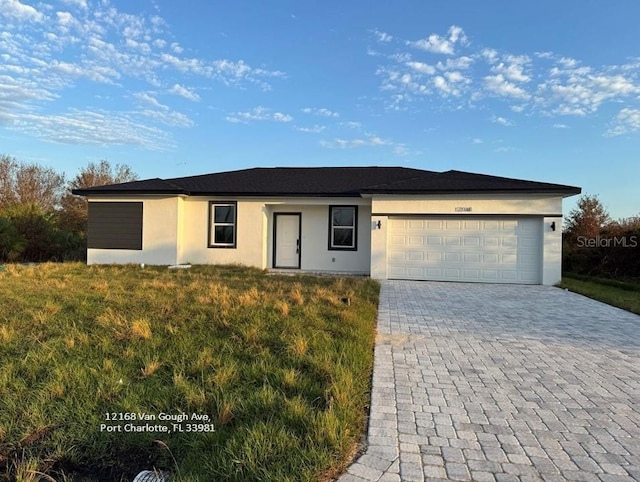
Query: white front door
{"points": [[286, 244]]}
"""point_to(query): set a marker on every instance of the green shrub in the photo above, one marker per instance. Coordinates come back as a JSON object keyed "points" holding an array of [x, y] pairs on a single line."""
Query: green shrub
{"points": [[34, 236], [11, 243]]}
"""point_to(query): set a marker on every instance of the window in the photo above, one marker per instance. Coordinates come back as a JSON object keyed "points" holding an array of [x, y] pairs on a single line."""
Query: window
{"points": [[222, 224], [342, 227]]}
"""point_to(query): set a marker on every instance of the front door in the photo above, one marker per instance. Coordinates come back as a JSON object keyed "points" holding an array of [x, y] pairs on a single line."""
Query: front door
{"points": [[286, 240]]}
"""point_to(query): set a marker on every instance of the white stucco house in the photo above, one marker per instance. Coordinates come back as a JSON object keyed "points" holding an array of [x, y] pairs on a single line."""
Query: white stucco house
{"points": [[386, 222]]}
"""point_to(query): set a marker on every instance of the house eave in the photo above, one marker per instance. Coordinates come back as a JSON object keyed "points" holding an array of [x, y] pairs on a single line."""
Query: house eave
{"points": [[551, 192]]}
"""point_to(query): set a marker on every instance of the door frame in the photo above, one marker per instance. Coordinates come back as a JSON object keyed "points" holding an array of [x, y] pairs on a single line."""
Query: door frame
{"points": [[275, 238]]}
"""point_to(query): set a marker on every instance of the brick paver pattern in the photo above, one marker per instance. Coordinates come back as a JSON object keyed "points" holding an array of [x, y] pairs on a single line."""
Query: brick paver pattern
{"points": [[501, 383]]}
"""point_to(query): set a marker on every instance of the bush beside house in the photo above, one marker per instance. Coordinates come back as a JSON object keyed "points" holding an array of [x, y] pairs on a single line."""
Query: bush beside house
{"points": [[596, 245], [40, 220]]}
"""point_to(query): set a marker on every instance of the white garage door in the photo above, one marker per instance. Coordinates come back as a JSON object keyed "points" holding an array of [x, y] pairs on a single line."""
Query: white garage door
{"points": [[505, 250]]}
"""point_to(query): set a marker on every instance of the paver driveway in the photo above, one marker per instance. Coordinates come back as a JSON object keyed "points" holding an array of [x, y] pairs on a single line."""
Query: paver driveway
{"points": [[499, 382]]}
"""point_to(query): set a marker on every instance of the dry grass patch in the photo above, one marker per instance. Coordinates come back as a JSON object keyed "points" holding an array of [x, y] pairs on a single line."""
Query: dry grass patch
{"points": [[141, 328], [278, 363], [150, 367]]}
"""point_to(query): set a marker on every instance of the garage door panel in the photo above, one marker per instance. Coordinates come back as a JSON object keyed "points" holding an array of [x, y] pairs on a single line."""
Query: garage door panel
{"points": [[525, 260], [472, 257], [415, 256], [509, 276], [491, 241], [471, 274], [431, 256], [509, 242], [489, 250], [528, 242], [452, 257], [452, 241], [490, 225], [397, 255], [473, 240], [490, 258], [508, 258], [471, 225], [490, 274]]}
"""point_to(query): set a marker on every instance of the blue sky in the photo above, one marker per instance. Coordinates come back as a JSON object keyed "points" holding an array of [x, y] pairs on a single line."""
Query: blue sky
{"points": [[542, 90]]}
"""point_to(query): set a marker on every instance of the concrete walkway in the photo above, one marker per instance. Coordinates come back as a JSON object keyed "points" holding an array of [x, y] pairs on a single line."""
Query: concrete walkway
{"points": [[500, 382]]}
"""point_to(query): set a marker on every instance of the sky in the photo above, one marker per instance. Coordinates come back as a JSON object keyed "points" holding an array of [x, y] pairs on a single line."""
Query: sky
{"points": [[545, 90]]}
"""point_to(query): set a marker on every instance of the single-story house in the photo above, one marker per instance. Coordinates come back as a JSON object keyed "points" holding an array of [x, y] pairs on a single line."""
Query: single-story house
{"points": [[386, 222]]}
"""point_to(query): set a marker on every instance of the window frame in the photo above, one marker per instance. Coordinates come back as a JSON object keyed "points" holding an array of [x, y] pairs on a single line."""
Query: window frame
{"points": [[331, 245], [212, 225]]}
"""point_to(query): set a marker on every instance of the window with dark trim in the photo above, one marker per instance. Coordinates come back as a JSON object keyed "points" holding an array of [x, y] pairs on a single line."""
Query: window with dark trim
{"points": [[222, 224], [343, 227]]}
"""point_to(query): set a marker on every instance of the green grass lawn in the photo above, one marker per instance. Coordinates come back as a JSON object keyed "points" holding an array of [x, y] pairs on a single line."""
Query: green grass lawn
{"points": [[279, 367], [623, 294]]}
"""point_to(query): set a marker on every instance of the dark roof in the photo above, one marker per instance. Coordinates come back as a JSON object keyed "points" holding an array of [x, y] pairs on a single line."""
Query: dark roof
{"points": [[328, 181]]}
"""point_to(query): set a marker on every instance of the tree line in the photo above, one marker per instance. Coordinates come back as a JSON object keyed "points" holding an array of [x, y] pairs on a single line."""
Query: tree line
{"points": [[594, 244], [40, 219]]}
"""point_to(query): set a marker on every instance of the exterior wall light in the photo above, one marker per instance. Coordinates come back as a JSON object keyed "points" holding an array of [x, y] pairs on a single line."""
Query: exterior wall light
{"points": [[553, 225], [379, 224]]}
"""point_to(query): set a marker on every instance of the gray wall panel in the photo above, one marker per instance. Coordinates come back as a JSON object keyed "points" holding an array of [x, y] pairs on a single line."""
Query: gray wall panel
{"points": [[115, 225]]}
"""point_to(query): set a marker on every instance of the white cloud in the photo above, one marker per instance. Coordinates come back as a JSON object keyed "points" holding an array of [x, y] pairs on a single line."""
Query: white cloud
{"points": [[581, 92], [280, 117], [497, 84], [20, 11], [541, 83], [95, 42], [477, 140], [323, 112], [78, 3], [168, 117], [460, 63], [490, 55], [422, 67], [352, 124], [371, 141], [560, 126], [441, 45], [382, 36], [513, 68], [316, 129], [149, 99], [503, 121], [182, 91], [95, 127], [401, 150], [626, 121], [259, 113]]}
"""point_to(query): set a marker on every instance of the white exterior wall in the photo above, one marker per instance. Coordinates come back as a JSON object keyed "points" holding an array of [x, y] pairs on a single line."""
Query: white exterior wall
{"points": [[249, 233], [254, 237], [551, 251], [479, 204], [545, 206], [160, 238], [314, 245], [379, 247]]}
